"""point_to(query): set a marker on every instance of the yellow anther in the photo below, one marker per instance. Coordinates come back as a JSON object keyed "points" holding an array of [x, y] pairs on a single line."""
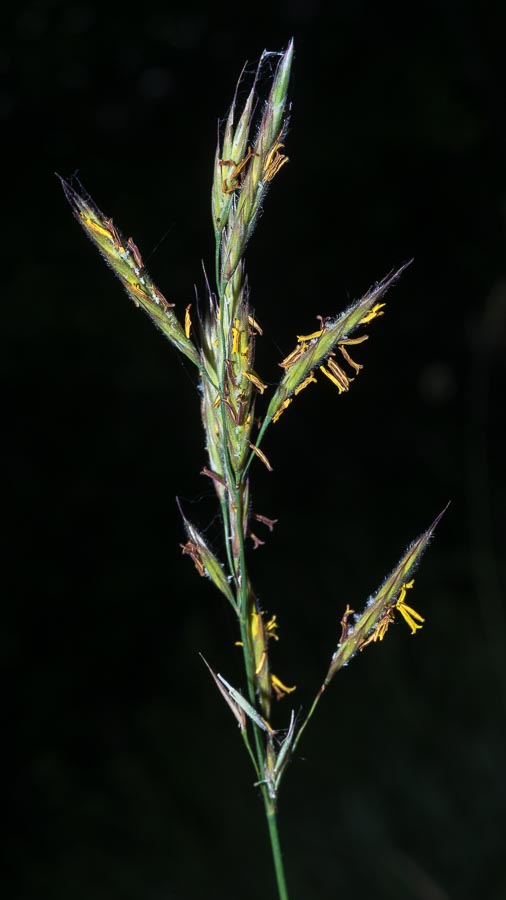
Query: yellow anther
{"points": [[332, 378], [304, 384], [262, 456], [137, 289], [380, 630], [254, 324], [340, 374], [280, 688], [292, 357], [94, 226], [235, 179], [274, 161], [405, 587], [284, 405], [377, 310], [410, 616], [349, 360], [382, 627], [187, 321], [271, 627], [255, 624], [235, 337], [350, 341], [309, 337], [253, 377]]}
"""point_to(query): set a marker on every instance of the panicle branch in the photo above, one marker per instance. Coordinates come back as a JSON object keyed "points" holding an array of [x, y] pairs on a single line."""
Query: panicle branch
{"points": [[379, 610], [125, 260], [314, 349]]}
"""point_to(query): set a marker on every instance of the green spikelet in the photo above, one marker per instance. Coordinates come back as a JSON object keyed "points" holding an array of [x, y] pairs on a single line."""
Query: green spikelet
{"points": [[373, 622], [126, 262]]}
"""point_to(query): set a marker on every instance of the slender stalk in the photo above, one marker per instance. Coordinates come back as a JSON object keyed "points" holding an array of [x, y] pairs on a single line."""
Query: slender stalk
{"points": [[234, 527], [227, 537], [265, 424], [269, 803], [242, 603], [250, 752], [309, 716], [272, 822]]}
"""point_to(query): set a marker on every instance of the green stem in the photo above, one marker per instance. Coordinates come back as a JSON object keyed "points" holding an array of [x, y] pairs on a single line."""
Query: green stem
{"points": [[251, 754], [269, 803], [217, 248], [272, 822], [239, 570], [242, 604], [310, 713], [228, 537], [266, 422]]}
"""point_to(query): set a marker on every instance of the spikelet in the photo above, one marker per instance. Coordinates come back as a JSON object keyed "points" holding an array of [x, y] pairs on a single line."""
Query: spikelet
{"points": [[229, 157], [126, 262], [314, 349], [205, 561], [380, 604], [265, 162]]}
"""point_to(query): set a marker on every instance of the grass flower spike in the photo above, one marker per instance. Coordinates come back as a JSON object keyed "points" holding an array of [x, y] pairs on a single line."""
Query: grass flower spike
{"points": [[237, 408], [126, 262]]}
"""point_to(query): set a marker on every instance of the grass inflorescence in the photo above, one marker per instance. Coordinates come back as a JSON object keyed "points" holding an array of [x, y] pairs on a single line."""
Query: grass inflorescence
{"points": [[238, 408]]}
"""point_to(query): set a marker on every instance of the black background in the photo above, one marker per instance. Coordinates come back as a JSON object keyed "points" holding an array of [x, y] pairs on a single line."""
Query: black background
{"points": [[126, 776]]}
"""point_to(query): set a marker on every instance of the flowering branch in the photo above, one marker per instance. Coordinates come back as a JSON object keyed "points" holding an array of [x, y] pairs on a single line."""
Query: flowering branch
{"points": [[246, 162]]}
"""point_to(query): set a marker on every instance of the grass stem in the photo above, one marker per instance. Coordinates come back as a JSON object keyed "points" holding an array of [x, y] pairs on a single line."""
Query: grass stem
{"points": [[272, 822]]}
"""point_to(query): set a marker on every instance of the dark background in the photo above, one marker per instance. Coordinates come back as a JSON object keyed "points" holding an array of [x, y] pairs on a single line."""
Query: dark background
{"points": [[126, 776]]}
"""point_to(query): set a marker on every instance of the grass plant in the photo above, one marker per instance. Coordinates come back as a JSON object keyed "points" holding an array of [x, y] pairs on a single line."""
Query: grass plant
{"points": [[237, 413]]}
